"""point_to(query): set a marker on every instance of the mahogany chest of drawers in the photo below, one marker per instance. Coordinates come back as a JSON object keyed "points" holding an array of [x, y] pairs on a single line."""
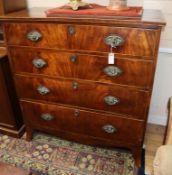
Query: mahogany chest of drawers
{"points": [[65, 84]]}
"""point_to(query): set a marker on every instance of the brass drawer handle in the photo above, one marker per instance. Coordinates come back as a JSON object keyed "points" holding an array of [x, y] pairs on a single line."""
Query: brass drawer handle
{"points": [[71, 30], [114, 40], [109, 129], [75, 85], [34, 36], [43, 90], [112, 71], [76, 113], [47, 117], [39, 63], [73, 58], [111, 100]]}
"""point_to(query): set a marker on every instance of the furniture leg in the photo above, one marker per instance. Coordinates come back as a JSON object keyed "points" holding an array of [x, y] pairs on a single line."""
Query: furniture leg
{"points": [[136, 151], [29, 133]]}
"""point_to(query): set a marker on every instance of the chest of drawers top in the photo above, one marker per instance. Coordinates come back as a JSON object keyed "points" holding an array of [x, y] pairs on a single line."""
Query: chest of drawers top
{"points": [[149, 19]]}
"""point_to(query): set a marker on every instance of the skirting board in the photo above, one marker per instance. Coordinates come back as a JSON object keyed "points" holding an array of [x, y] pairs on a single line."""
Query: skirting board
{"points": [[158, 120], [165, 50]]}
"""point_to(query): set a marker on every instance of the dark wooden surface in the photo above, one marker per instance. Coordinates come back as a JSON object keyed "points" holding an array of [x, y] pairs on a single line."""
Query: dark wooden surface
{"points": [[150, 18], [2, 44], [11, 121], [59, 64], [88, 94], [83, 123], [7, 6], [3, 52], [58, 36], [137, 58]]}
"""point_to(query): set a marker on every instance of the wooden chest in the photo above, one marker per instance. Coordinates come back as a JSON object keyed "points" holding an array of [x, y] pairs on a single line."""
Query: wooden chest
{"points": [[66, 85], [11, 122]]}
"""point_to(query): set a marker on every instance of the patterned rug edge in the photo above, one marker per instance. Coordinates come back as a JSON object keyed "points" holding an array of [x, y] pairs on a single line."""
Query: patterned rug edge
{"points": [[45, 169]]}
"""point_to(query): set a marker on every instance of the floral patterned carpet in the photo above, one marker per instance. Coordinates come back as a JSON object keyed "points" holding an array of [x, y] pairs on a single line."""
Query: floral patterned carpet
{"points": [[50, 155]]}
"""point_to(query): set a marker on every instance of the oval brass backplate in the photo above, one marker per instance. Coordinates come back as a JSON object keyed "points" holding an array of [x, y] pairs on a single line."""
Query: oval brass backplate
{"points": [[109, 129], [34, 36], [39, 63], [43, 90], [112, 71], [47, 117], [114, 40], [111, 100]]}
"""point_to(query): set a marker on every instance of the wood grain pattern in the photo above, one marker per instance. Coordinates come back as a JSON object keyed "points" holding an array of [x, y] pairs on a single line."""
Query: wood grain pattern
{"points": [[87, 67], [58, 36], [88, 94], [137, 57], [81, 124], [7, 6]]}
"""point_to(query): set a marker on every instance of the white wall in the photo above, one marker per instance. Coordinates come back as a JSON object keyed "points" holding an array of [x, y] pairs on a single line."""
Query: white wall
{"points": [[163, 79], [55, 3], [162, 90]]}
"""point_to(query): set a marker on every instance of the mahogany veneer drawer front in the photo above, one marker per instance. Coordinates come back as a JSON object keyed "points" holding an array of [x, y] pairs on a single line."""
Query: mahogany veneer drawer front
{"points": [[107, 127], [135, 41], [92, 95], [73, 65]]}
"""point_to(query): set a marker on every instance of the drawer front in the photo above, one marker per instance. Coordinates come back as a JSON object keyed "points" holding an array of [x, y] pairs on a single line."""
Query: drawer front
{"points": [[96, 39], [110, 98], [37, 35], [71, 65], [98, 125], [136, 42]]}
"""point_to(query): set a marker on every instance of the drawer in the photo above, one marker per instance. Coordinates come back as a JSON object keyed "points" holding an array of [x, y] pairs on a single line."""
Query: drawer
{"points": [[131, 41], [89, 67], [87, 94], [37, 35], [59, 118]]}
